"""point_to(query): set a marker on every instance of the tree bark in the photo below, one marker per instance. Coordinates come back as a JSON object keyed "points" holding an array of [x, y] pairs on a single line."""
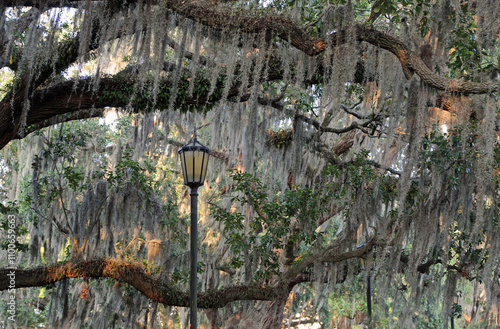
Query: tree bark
{"points": [[132, 273]]}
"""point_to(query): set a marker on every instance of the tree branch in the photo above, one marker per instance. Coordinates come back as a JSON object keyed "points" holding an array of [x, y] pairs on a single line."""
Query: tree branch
{"points": [[13, 107], [134, 274], [78, 115], [352, 126], [308, 43]]}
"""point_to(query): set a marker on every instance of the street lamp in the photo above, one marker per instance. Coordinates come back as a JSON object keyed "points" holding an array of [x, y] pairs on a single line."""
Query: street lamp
{"points": [[194, 160]]}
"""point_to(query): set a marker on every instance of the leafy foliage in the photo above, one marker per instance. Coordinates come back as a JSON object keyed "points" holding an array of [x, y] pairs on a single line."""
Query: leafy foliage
{"points": [[454, 154], [283, 218]]}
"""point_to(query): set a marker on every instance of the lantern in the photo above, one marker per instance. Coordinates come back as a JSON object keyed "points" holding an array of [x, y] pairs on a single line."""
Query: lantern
{"points": [[194, 161]]}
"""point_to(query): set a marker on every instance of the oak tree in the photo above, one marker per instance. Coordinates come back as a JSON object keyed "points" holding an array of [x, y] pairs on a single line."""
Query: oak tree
{"points": [[349, 140]]}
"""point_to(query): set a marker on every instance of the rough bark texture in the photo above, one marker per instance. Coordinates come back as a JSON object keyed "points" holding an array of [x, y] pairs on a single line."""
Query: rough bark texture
{"points": [[163, 291], [132, 273]]}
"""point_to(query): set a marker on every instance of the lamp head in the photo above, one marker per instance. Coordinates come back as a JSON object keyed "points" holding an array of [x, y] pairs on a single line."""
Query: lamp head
{"points": [[194, 160]]}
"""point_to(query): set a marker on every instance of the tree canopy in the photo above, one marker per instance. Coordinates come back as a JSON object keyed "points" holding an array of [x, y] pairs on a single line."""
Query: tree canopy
{"points": [[350, 141]]}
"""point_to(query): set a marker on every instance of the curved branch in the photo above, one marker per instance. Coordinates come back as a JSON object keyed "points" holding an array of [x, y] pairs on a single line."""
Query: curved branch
{"points": [[352, 126], [333, 159], [70, 96], [412, 63], [161, 289], [78, 115], [13, 107], [333, 253], [157, 289], [307, 42]]}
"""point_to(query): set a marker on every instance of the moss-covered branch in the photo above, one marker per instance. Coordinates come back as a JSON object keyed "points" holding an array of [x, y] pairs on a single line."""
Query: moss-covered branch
{"points": [[30, 105], [312, 45], [155, 288]]}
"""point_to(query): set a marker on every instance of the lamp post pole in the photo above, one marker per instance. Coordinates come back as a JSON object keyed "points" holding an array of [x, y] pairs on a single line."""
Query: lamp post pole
{"points": [[194, 162], [369, 298], [193, 284], [368, 288]]}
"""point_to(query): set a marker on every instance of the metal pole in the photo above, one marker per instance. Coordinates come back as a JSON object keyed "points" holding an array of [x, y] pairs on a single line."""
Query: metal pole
{"points": [[194, 259], [369, 298]]}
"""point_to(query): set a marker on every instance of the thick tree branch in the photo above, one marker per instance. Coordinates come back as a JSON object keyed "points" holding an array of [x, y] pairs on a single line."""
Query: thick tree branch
{"points": [[300, 38], [304, 40], [78, 115], [14, 107], [412, 63], [162, 290], [132, 273], [70, 96]]}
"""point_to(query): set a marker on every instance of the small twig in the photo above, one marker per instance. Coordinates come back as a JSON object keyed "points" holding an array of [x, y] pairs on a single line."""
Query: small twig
{"points": [[318, 126], [316, 21], [332, 158], [349, 110]]}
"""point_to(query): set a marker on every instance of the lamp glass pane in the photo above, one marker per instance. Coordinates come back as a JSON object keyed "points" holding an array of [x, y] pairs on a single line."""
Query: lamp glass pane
{"points": [[183, 166], [195, 162], [204, 166]]}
